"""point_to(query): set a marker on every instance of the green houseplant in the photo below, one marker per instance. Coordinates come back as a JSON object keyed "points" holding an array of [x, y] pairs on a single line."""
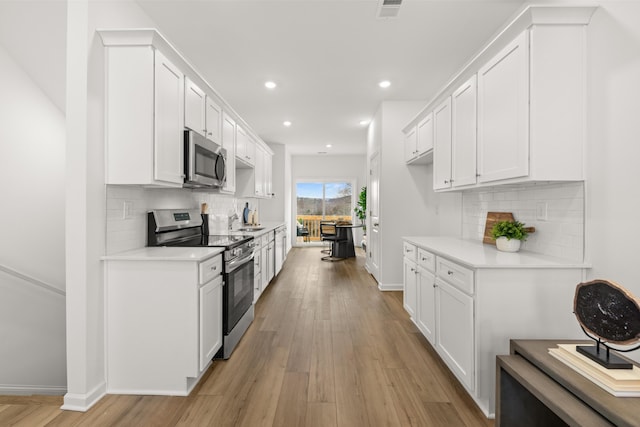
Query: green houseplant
{"points": [[509, 235], [361, 207]]}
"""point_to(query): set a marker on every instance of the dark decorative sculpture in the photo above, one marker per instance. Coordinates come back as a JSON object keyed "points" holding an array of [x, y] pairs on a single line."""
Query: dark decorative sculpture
{"points": [[607, 313]]}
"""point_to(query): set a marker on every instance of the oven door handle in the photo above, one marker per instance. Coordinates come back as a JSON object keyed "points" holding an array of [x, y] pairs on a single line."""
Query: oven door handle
{"points": [[234, 264]]}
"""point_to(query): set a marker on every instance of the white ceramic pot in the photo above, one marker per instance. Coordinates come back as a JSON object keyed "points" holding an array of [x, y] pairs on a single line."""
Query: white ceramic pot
{"points": [[508, 245]]}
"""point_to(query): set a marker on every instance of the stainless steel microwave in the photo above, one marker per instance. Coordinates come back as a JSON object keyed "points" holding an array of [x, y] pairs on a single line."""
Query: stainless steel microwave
{"points": [[205, 162]]}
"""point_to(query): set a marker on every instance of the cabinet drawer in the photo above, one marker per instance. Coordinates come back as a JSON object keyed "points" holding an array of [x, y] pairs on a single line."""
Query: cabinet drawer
{"points": [[455, 274], [409, 251], [265, 239], [210, 268], [426, 260]]}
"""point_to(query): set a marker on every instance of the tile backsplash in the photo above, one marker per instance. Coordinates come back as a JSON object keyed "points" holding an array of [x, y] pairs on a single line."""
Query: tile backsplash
{"points": [[560, 234], [127, 208]]}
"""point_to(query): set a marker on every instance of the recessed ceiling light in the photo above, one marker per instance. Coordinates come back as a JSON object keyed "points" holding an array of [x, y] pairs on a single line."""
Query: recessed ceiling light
{"points": [[364, 122], [328, 145], [287, 123], [270, 85], [384, 84]]}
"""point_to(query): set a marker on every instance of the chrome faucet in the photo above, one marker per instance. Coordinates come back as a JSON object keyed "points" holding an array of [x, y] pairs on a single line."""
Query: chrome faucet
{"points": [[233, 218]]}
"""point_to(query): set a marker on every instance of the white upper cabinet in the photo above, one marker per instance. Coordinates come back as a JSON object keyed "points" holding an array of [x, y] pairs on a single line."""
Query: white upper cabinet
{"points": [[152, 95], [410, 143], [418, 148], [144, 118], [213, 119], [245, 148], [194, 108], [525, 119], [169, 124], [229, 144], [503, 113], [442, 145], [201, 113], [463, 134]]}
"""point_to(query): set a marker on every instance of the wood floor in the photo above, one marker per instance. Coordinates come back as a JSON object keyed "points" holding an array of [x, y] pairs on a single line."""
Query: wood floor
{"points": [[327, 348]]}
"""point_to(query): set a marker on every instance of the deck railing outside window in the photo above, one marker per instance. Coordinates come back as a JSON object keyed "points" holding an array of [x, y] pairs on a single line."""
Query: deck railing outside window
{"points": [[312, 223]]}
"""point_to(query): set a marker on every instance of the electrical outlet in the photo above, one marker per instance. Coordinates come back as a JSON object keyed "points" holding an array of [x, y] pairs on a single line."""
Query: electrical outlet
{"points": [[127, 210], [541, 211]]}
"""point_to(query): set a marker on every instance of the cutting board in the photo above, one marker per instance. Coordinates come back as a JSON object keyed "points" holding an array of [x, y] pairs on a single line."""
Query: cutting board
{"points": [[492, 219]]}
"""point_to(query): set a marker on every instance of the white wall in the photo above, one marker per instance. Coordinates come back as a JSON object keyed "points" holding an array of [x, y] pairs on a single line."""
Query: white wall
{"points": [[32, 323], [309, 167], [560, 234], [85, 192], [408, 204], [612, 194]]}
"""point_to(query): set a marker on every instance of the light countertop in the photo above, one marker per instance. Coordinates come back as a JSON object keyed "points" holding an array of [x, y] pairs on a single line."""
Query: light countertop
{"points": [[267, 226], [476, 254], [164, 253]]}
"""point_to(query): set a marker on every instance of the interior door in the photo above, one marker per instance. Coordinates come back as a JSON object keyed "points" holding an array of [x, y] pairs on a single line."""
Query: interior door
{"points": [[373, 251]]}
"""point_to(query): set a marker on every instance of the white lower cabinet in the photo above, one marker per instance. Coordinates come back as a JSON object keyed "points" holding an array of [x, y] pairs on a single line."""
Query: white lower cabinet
{"points": [[470, 310], [163, 323], [454, 320], [210, 321], [410, 294], [426, 302]]}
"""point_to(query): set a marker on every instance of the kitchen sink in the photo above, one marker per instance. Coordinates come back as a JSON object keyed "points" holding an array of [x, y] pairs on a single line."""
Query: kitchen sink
{"points": [[251, 228]]}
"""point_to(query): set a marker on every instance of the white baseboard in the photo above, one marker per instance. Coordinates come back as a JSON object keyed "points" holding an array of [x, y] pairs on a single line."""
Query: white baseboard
{"points": [[83, 402], [19, 390], [390, 286]]}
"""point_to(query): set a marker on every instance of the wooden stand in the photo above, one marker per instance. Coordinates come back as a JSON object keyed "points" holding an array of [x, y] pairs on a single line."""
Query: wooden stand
{"points": [[535, 389]]}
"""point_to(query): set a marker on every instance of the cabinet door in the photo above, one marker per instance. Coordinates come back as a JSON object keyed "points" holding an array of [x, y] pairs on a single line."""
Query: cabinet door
{"points": [[259, 172], [410, 142], [271, 260], [442, 145], [245, 149], [264, 255], [268, 174], [194, 108], [463, 134], [454, 331], [410, 291], [213, 119], [427, 304], [425, 135], [503, 114], [210, 320], [257, 278], [169, 121], [229, 144]]}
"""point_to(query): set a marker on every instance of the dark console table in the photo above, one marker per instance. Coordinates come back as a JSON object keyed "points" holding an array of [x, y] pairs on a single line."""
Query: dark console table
{"points": [[535, 389]]}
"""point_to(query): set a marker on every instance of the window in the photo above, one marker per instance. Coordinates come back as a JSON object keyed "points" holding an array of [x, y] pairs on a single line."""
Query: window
{"points": [[322, 201]]}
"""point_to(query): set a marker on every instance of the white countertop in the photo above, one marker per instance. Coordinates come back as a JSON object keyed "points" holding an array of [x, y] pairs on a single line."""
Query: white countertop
{"points": [[267, 226], [163, 253], [476, 254]]}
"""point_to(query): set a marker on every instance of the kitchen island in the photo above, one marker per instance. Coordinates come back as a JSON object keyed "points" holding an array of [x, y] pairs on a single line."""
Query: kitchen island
{"points": [[468, 299]]}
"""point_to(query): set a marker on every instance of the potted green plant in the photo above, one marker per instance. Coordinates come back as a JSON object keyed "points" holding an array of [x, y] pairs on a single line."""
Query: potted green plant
{"points": [[509, 235], [361, 208]]}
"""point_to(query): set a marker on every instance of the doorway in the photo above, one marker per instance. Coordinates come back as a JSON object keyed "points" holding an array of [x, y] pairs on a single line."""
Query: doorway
{"points": [[321, 200]]}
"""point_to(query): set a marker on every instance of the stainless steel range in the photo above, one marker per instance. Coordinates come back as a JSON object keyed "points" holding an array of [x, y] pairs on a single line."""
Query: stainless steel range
{"points": [[186, 228]]}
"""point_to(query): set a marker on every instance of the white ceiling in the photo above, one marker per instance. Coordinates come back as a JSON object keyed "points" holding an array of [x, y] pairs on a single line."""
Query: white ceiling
{"points": [[326, 56]]}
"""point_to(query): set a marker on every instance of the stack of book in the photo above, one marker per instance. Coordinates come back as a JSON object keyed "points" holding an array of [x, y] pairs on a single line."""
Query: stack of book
{"points": [[618, 382]]}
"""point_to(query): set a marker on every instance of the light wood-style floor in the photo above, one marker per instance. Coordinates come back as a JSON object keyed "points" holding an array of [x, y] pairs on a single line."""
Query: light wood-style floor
{"points": [[327, 348]]}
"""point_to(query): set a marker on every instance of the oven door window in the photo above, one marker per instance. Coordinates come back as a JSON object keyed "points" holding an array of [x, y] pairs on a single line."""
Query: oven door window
{"points": [[238, 294]]}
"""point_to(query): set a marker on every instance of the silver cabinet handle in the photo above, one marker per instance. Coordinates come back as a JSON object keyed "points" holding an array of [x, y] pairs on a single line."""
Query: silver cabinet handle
{"points": [[214, 268], [449, 272]]}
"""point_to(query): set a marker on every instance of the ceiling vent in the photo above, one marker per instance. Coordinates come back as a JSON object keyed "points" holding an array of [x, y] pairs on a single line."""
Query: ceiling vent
{"points": [[388, 8]]}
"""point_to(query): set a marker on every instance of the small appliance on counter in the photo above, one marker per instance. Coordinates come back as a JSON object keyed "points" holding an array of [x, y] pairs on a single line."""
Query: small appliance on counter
{"points": [[186, 228]]}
